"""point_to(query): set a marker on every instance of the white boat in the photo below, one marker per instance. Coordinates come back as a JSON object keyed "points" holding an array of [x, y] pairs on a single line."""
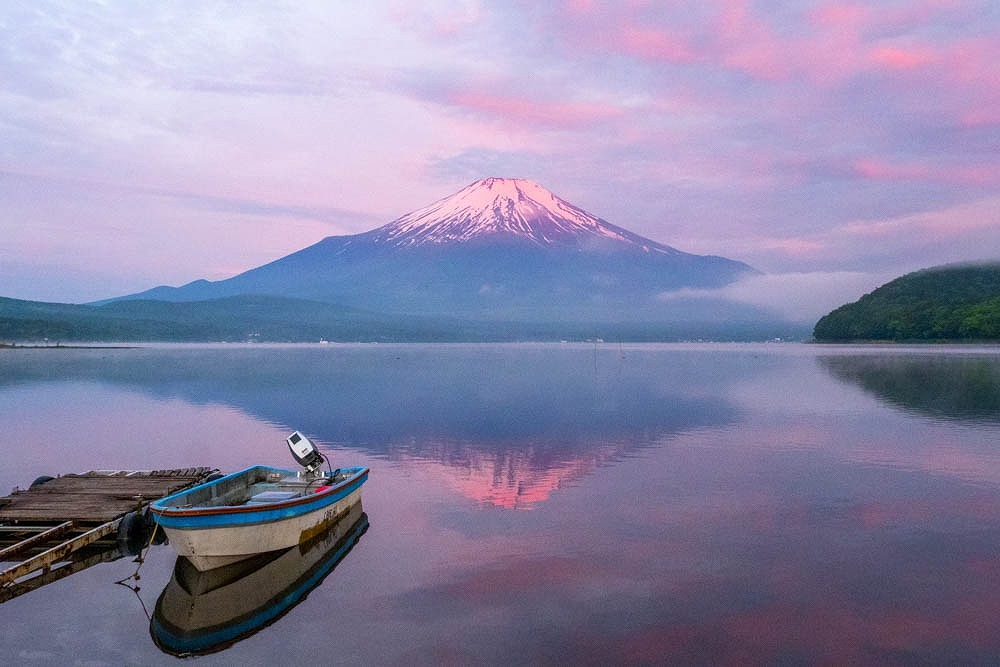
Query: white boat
{"points": [[259, 509], [204, 612]]}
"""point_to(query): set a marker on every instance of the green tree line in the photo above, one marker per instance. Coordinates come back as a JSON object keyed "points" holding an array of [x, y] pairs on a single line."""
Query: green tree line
{"points": [[942, 303]]}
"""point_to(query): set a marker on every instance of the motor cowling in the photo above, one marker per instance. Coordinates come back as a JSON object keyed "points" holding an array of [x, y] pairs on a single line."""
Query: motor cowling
{"points": [[304, 451]]}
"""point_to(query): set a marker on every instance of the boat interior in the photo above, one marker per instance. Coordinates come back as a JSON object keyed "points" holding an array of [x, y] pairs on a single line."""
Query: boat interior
{"points": [[257, 486]]}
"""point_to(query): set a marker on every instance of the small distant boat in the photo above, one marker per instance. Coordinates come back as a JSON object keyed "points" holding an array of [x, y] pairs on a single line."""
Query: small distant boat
{"points": [[259, 509]]}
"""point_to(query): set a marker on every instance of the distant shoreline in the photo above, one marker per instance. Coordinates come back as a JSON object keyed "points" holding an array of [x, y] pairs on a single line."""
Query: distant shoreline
{"points": [[914, 341], [959, 343], [60, 346]]}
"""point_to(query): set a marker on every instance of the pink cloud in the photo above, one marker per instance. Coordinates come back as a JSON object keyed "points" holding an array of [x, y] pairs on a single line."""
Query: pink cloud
{"points": [[860, 19], [523, 111], [902, 58], [972, 69], [836, 42], [879, 169], [654, 44], [850, 35], [581, 6], [442, 22], [981, 117], [973, 226], [750, 45], [736, 39], [840, 16]]}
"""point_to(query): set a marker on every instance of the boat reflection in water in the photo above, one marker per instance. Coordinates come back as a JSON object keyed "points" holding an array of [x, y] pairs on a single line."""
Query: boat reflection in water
{"points": [[204, 612]]}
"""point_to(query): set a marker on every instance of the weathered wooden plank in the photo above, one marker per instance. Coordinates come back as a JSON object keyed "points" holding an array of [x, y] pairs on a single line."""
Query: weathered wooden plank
{"points": [[95, 496], [55, 554], [64, 513], [12, 591], [23, 528], [35, 539]]}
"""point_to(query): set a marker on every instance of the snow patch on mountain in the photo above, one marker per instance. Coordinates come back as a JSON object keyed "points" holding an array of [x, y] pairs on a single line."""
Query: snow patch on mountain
{"points": [[514, 208]]}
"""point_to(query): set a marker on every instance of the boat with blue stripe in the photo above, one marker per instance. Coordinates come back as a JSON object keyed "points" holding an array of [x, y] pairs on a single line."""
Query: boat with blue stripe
{"points": [[204, 612], [258, 509]]}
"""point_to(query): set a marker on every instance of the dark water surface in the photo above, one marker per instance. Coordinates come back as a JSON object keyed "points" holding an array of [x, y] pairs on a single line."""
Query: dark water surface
{"points": [[544, 504]]}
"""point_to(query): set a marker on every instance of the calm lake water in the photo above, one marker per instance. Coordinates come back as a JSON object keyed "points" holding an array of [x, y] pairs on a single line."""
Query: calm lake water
{"points": [[546, 504]]}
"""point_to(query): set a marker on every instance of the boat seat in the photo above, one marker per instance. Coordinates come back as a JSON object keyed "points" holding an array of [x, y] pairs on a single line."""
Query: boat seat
{"points": [[272, 497]]}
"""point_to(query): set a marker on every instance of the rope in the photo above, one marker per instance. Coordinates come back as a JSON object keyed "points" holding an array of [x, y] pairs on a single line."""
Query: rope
{"points": [[140, 559]]}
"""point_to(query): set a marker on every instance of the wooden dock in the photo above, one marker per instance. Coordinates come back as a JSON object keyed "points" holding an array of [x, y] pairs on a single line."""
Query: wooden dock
{"points": [[50, 521]]}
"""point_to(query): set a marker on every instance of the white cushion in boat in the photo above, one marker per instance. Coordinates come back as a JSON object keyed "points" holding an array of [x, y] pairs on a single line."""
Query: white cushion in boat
{"points": [[272, 497]]}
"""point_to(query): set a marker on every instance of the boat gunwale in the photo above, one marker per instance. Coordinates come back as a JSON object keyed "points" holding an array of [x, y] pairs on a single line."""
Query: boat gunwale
{"points": [[159, 507]]}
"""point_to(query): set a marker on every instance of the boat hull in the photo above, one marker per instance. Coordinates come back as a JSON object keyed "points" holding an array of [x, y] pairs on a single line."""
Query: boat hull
{"points": [[213, 536], [209, 548], [202, 612]]}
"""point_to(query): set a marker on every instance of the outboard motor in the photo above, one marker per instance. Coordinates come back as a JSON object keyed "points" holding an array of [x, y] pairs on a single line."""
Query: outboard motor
{"points": [[305, 452]]}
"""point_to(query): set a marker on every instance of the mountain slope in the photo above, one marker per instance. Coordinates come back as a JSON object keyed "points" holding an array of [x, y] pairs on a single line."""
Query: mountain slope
{"points": [[941, 303], [499, 248]]}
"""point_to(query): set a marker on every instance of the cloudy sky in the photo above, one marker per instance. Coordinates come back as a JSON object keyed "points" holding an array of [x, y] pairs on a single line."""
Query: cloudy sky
{"points": [[830, 144]]}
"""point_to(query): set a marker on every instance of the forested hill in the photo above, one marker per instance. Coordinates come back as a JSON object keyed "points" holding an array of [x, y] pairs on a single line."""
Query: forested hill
{"points": [[955, 302]]}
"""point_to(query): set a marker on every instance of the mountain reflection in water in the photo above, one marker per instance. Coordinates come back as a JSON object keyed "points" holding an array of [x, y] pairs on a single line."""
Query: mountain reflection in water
{"points": [[204, 612], [510, 423]]}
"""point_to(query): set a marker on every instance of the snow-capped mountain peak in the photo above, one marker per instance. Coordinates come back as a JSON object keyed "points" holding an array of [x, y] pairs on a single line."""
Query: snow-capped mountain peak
{"points": [[498, 248], [505, 208]]}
